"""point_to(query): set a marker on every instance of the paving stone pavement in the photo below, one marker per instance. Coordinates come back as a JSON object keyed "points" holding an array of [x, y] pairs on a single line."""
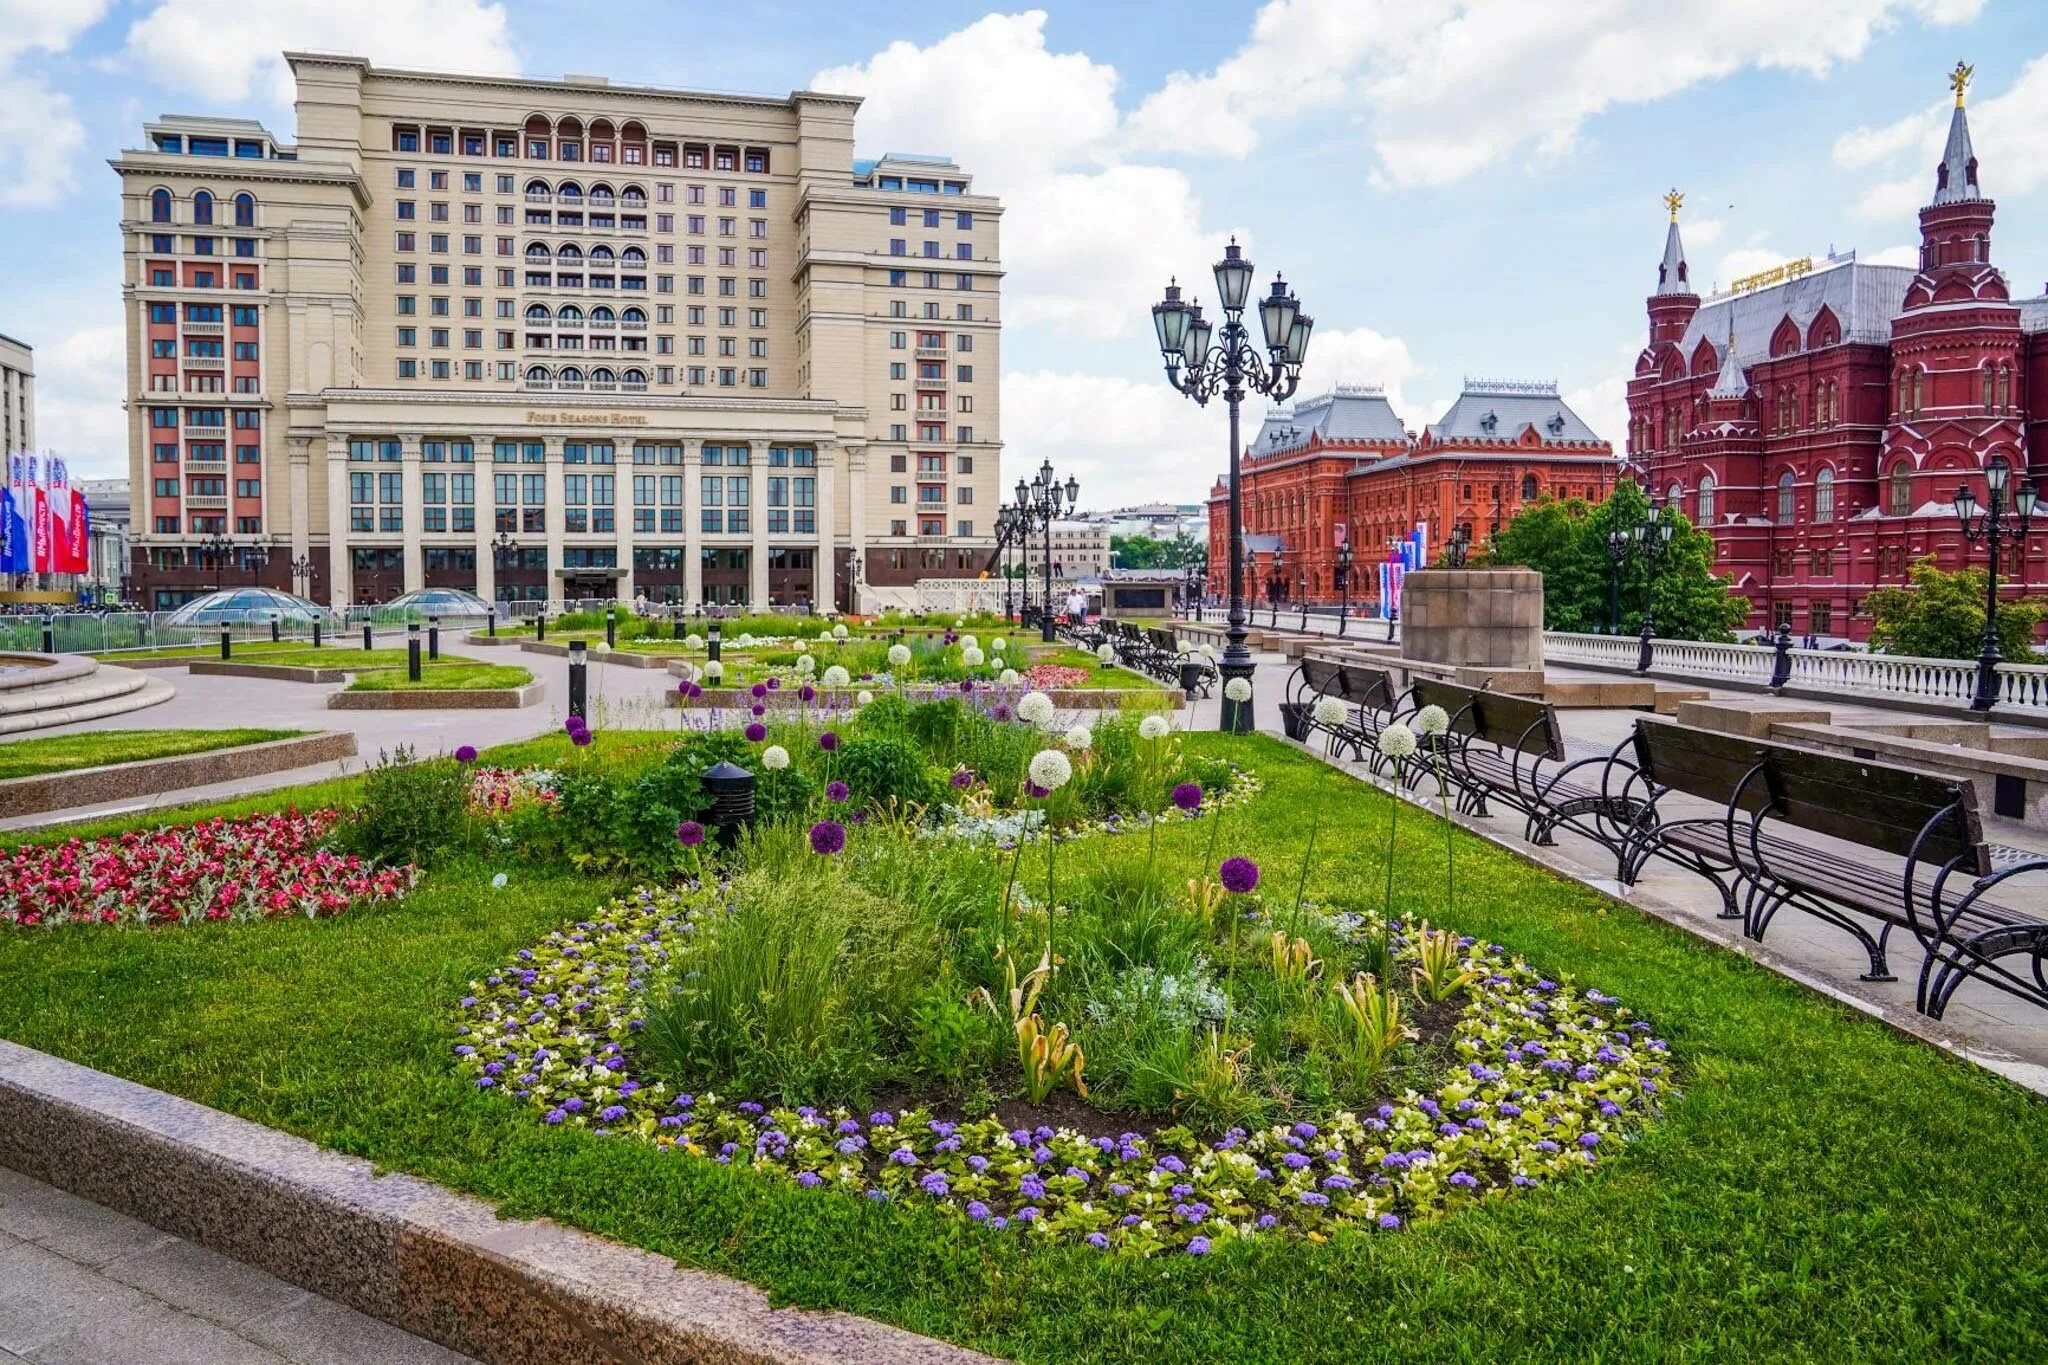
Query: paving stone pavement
{"points": [[83, 1285]]}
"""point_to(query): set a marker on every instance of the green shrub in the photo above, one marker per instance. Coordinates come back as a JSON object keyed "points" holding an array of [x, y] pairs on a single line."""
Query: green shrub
{"points": [[412, 810], [878, 769]]}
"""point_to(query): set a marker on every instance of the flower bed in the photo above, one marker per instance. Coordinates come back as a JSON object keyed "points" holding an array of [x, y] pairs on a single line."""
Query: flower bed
{"points": [[1547, 1081], [981, 824], [256, 867]]}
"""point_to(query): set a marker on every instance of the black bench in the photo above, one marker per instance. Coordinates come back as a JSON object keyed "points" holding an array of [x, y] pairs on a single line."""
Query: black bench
{"points": [[1906, 851], [1368, 695]]}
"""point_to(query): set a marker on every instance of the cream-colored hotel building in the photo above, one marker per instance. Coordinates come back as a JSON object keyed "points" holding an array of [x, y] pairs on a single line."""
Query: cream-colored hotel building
{"points": [[556, 339]]}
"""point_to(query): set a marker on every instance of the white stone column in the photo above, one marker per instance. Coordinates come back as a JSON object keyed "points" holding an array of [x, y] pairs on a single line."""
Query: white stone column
{"points": [[556, 512], [757, 519], [693, 523], [340, 584], [412, 504], [622, 513], [857, 515], [298, 495], [484, 510], [823, 598]]}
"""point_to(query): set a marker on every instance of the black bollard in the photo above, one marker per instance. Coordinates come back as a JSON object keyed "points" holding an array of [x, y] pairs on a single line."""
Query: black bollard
{"points": [[227, 640], [276, 629], [1646, 652], [1781, 658], [491, 622], [366, 637], [412, 652], [711, 638], [540, 623], [731, 789], [433, 637], [578, 681], [50, 634], [611, 627], [316, 632]]}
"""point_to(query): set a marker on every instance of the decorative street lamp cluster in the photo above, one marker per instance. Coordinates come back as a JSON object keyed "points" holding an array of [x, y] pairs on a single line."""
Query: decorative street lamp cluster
{"points": [[1649, 537], [1197, 571], [253, 557], [1276, 587], [1993, 522], [1343, 575], [1010, 532], [1232, 366], [1039, 503]]}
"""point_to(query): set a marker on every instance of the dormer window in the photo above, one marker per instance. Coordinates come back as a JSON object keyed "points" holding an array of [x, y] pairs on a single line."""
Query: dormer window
{"points": [[1488, 423], [1556, 425]]}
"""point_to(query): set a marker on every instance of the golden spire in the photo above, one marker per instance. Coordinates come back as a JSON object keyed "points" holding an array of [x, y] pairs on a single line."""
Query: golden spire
{"points": [[1959, 80], [1672, 200]]}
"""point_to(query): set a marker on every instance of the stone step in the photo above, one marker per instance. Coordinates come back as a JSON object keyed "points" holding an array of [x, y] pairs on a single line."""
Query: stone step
{"points": [[89, 695]]}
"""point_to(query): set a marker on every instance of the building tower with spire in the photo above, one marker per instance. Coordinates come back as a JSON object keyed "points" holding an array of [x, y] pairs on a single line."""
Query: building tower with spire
{"points": [[1819, 417]]}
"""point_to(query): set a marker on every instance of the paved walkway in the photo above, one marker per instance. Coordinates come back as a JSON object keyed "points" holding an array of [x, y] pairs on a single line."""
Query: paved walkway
{"points": [[81, 1285]]}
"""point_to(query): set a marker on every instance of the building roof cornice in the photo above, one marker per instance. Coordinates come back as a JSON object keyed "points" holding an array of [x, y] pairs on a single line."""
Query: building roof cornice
{"points": [[540, 85], [608, 402]]}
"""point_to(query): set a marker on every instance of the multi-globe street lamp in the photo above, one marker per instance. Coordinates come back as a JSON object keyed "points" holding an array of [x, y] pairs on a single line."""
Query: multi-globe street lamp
{"points": [[1993, 522], [1007, 535], [1196, 570], [1304, 601], [1040, 503], [1458, 549], [1652, 537], [256, 558], [218, 546], [1618, 543], [1343, 574], [1233, 367], [302, 572], [1276, 588]]}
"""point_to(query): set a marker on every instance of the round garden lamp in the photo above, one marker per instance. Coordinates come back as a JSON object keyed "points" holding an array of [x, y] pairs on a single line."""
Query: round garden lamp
{"points": [[731, 789]]}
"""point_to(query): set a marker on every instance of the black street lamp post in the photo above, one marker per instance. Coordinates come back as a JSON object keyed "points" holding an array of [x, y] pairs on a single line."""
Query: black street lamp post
{"points": [[1343, 572], [1276, 588], [1197, 570], [1652, 536], [1039, 504], [1618, 542], [1234, 367], [1995, 521], [256, 558], [1458, 549], [1006, 539], [1304, 601], [302, 572], [218, 546]]}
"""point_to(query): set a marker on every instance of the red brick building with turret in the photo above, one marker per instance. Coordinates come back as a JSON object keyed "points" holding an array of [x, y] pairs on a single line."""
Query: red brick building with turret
{"points": [[1819, 418]]}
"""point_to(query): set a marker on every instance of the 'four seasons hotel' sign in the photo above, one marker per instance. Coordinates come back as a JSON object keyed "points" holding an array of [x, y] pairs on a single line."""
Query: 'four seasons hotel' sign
{"points": [[587, 419]]}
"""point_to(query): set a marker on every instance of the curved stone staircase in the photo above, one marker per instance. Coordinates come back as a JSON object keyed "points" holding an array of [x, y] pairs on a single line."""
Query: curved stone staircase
{"points": [[38, 691]]}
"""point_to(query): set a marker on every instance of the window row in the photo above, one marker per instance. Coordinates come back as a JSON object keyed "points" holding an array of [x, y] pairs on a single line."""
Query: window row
{"points": [[572, 139], [242, 209]]}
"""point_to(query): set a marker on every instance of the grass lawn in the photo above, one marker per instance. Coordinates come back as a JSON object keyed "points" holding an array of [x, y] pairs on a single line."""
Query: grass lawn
{"points": [[1826, 1189], [443, 675], [249, 649], [62, 753]]}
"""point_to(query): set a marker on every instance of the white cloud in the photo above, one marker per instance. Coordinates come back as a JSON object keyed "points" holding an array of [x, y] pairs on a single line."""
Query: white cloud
{"points": [[1449, 87], [1603, 406], [224, 49], [1362, 356], [40, 135], [48, 25], [2008, 131], [1747, 260], [1126, 441], [1891, 255], [1704, 231], [79, 381]]}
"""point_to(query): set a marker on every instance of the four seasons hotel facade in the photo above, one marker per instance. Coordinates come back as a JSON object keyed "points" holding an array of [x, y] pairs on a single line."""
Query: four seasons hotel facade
{"points": [[555, 339]]}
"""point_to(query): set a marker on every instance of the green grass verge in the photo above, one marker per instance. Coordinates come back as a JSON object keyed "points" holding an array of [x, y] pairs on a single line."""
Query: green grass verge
{"points": [[1827, 1189], [444, 675], [62, 753]]}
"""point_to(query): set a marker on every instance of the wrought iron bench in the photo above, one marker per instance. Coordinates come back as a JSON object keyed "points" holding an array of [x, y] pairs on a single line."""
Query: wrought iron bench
{"points": [[1368, 695], [1904, 850]]}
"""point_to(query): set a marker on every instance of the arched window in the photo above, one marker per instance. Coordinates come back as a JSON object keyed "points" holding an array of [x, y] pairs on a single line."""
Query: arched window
{"points": [[1787, 503], [1901, 395], [1528, 488], [1902, 489], [1824, 495], [202, 207], [570, 315], [2005, 388], [633, 255], [536, 251], [1706, 517], [1918, 376], [537, 374], [1990, 382], [537, 312], [538, 189], [1674, 496], [635, 377], [160, 206], [633, 317], [245, 210]]}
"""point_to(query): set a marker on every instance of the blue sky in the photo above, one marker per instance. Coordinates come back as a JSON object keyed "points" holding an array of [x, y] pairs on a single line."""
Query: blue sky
{"points": [[1453, 186]]}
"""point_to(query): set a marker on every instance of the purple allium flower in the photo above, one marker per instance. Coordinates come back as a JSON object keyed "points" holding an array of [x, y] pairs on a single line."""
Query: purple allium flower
{"points": [[829, 740], [775, 684], [580, 737], [683, 688], [964, 777], [837, 791], [757, 709], [1036, 792], [1238, 875], [1002, 711], [756, 732], [967, 684], [758, 690], [828, 837], [466, 754], [807, 693], [689, 834], [1188, 796], [572, 724]]}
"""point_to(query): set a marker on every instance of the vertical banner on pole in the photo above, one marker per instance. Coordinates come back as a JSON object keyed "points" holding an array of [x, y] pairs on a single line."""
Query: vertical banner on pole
{"points": [[13, 525]]}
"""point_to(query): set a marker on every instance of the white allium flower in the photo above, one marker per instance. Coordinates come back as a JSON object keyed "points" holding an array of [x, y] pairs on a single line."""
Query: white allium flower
{"points": [[839, 632], [601, 647], [1008, 678], [1237, 689], [835, 676], [959, 620], [1050, 769], [500, 880], [806, 665], [746, 639], [1153, 727], [999, 644], [1431, 720], [972, 657], [1330, 711], [969, 642], [863, 698], [899, 655], [1080, 737], [1035, 708], [824, 637], [693, 641], [1106, 652], [714, 670], [1397, 741], [775, 756]]}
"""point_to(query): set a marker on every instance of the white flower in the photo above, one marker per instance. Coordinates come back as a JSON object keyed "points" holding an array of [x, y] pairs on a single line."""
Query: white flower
{"points": [[1153, 727], [835, 676], [1106, 652], [1237, 689], [959, 620], [601, 647], [899, 655], [969, 642], [972, 657], [805, 665], [824, 637], [1050, 769], [1008, 678], [714, 670], [1035, 708], [693, 641], [775, 756], [863, 698], [1080, 737], [500, 880], [1431, 720], [839, 632], [1397, 741], [999, 644], [1330, 711]]}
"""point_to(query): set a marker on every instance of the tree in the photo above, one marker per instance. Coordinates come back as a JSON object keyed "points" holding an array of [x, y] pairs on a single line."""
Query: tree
{"points": [[1147, 552], [1567, 544], [1941, 616]]}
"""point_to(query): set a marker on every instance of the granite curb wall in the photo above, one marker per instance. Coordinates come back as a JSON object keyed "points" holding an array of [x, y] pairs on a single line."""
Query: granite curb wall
{"points": [[424, 1258], [618, 658], [125, 781], [442, 699], [293, 673]]}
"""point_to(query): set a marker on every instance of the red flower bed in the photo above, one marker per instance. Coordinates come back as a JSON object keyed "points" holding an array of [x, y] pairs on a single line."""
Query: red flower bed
{"points": [[1054, 677], [256, 867]]}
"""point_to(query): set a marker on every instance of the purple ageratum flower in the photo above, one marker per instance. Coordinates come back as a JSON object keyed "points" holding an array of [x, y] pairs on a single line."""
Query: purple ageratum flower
{"points": [[756, 732], [810, 1180], [1099, 1241], [828, 837], [1390, 1221], [837, 791], [1198, 1246], [1188, 796], [829, 740], [466, 754], [977, 1210], [1238, 875], [689, 834]]}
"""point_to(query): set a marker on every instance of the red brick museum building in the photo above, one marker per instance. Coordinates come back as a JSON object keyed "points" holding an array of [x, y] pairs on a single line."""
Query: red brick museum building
{"points": [[1819, 418]]}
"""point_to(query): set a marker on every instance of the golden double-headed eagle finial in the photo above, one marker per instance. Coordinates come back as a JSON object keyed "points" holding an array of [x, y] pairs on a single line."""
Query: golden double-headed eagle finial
{"points": [[1672, 200], [1959, 80]]}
